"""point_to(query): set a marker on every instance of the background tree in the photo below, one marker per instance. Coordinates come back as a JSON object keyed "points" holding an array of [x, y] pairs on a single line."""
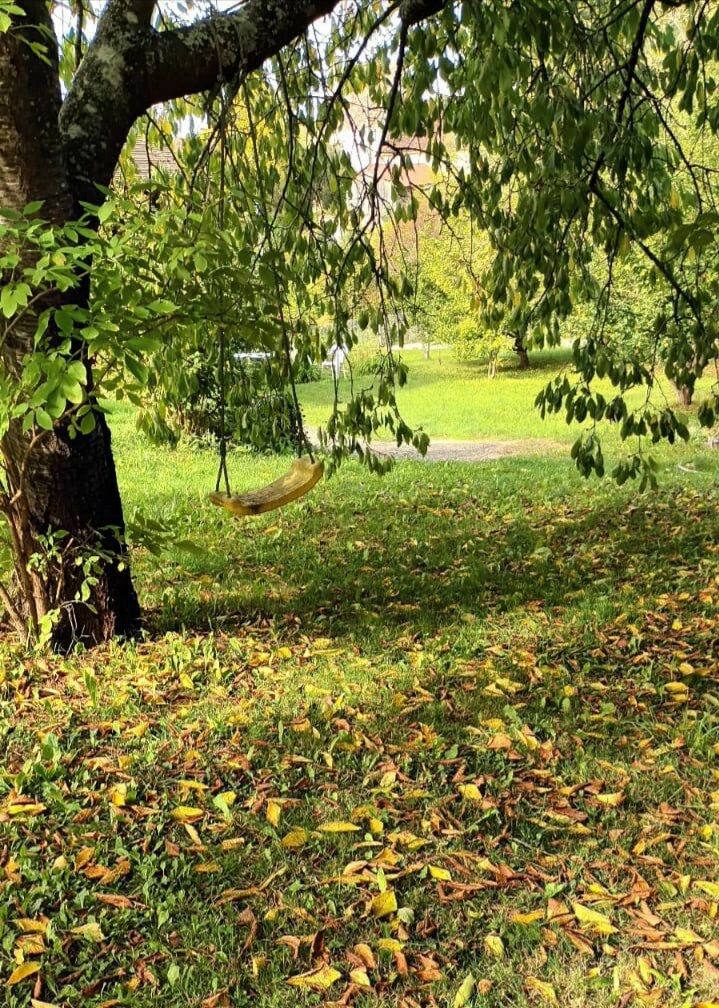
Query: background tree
{"points": [[451, 262], [574, 149]]}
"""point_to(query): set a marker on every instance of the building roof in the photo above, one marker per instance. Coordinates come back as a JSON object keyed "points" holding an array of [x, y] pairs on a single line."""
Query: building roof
{"points": [[148, 159]]}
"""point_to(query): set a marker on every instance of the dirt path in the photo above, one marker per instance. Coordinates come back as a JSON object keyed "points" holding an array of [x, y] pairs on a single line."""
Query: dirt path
{"points": [[469, 451]]}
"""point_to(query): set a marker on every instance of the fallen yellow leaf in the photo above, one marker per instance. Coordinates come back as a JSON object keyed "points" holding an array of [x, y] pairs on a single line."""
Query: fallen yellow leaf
{"points": [[319, 979], [384, 904], [545, 990], [500, 741], [611, 800], [138, 730], [25, 808], [84, 856], [441, 874], [30, 945], [494, 946], [186, 814], [339, 827], [359, 977], [644, 969], [389, 945], [273, 813], [465, 992], [28, 926], [594, 921], [527, 918], [92, 931], [687, 937], [118, 795], [295, 839], [193, 835], [365, 954], [710, 888], [25, 970]]}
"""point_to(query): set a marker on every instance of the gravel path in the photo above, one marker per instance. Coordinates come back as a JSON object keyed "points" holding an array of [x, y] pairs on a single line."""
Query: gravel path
{"points": [[469, 451]]}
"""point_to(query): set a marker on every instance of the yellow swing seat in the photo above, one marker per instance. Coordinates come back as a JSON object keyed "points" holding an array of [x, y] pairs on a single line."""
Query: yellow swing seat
{"points": [[300, 479]]}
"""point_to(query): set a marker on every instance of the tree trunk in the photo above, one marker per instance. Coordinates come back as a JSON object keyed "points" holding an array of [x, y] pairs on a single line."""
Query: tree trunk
{"points": [[684, 394], [521, 352], [56, 484]]}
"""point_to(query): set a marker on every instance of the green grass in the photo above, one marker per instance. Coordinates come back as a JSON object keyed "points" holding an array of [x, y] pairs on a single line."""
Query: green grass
{"points": [[455, 400], [505, 677]]}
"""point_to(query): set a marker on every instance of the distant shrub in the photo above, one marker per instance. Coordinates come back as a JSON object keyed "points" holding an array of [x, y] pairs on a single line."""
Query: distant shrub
{"points": [[269, 422], [366, 360], [307, 371]]}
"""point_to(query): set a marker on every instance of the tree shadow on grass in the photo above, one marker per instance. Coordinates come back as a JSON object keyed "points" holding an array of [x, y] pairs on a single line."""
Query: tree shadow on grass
{"points": [[420, 568]]}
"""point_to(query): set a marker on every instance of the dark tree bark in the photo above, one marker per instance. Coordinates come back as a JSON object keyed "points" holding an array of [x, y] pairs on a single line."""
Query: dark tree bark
{"points": [[521, 351], [684, 394], [59, 151], [54, 482]]}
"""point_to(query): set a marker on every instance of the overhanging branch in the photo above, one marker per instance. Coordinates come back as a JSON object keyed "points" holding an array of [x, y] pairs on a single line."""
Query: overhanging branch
{"points": [[190, 60], [130, 66]]}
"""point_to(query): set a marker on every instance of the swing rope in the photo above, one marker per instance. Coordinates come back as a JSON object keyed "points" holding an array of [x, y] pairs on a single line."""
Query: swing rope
{"points": [[304, 472], [300, 434], [222, 470]]}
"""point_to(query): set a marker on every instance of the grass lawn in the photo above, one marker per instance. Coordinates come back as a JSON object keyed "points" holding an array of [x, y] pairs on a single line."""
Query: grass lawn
{"points": [[456, 400], [448, 738]]}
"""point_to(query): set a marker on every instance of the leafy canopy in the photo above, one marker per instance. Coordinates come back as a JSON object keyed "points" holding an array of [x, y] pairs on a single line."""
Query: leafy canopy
{"points": [[569, 135]]}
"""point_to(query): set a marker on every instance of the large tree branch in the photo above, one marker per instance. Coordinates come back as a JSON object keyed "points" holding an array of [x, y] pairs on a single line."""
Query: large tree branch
{"points": [[193, 59], [142, 9], [414, 11], [129, 67]]}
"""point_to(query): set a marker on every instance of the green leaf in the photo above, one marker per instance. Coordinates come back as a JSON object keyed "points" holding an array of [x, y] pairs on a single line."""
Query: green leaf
{"points": [[76, 371], [162, 307], [188, 546], [87, 423], [72, 391], [106, 211], [64, 320], [137, 369], [43, 419]]}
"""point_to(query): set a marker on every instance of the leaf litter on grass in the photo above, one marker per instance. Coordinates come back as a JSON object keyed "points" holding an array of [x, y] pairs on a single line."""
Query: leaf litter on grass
{"points": [[518, 808]]}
